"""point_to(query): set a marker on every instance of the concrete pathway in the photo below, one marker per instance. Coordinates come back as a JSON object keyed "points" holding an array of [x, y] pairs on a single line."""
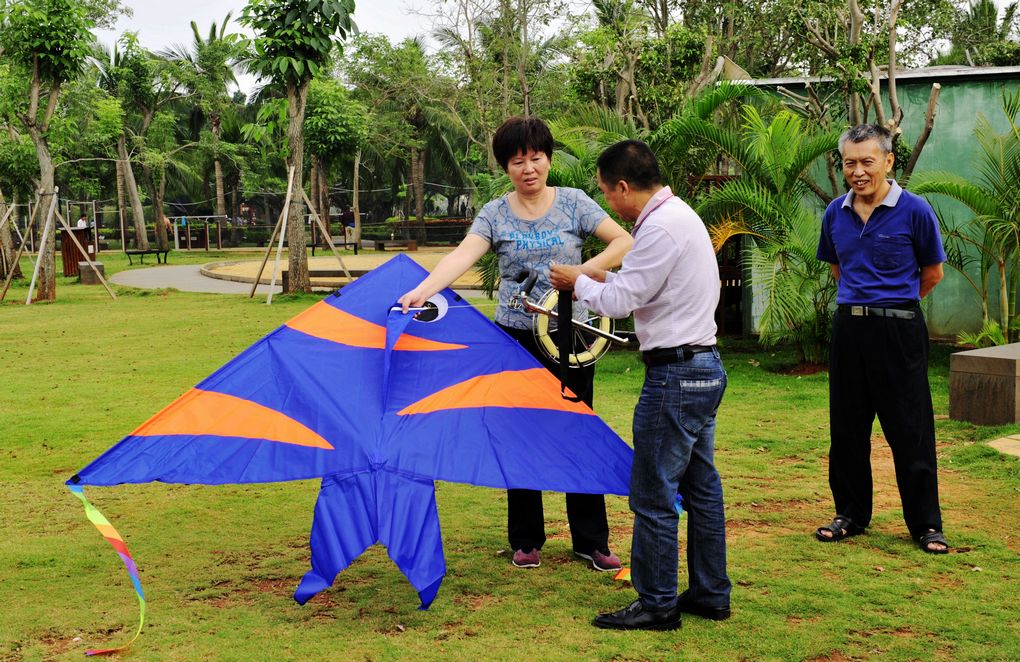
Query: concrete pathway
{"points": [[237, 277], [186, 278], [1009, 445]]}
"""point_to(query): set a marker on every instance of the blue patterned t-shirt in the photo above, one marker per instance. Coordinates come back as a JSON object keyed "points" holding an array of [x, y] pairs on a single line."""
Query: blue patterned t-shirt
{"points": [[533, 245]]}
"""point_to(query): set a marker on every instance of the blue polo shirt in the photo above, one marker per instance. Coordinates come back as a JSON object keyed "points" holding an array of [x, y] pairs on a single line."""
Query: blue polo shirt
{"points": [[880, 261]]}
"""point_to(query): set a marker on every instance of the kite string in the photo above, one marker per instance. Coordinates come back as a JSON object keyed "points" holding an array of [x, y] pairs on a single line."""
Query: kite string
{"points": [[112, 537]]}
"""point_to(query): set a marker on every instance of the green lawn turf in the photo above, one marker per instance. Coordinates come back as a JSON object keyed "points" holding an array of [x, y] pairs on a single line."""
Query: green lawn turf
{"points": [[219, 564]]}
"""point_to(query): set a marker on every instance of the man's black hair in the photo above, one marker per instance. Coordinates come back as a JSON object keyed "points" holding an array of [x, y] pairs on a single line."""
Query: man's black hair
{"points": [[519, 134], [631, 161]]}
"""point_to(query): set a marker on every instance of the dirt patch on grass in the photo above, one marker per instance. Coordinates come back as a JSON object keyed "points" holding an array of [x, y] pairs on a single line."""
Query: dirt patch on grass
{"points": [[831, 656], [805, 515], [802, 369]]}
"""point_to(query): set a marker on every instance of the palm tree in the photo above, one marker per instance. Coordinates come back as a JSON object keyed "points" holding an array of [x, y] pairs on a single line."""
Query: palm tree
{"points": [[978, 28], [207, 68], [770, 202], [995, 229]]}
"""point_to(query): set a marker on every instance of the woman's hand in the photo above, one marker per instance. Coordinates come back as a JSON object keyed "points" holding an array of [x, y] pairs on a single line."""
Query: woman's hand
{"points": [[416, 298]]}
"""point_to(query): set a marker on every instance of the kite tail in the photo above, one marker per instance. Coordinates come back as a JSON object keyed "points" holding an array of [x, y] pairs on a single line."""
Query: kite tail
{"points": [[117, 542]]}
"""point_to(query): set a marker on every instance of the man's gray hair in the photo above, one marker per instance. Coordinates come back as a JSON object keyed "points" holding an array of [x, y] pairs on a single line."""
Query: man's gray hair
{"points": [[862, 132]]}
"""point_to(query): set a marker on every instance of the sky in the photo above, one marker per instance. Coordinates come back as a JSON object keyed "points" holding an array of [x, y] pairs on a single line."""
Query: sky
{"points": [[165, 23]]}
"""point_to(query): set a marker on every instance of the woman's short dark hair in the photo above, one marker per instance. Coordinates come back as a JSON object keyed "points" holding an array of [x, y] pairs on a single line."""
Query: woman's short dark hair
{"points": [[631, 161], [519, 134]]}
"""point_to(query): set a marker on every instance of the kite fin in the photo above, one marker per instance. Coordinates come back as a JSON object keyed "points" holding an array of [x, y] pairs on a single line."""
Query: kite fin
{"points": [[345, 525], [411, 532], [112, 537]]}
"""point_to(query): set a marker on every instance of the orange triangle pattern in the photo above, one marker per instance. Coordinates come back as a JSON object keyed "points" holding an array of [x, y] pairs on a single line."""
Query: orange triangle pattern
{"points": [[200, 412], [535, 388], [328, 323]]}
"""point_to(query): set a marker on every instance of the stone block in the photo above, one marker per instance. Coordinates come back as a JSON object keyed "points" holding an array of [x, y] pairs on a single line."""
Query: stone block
{"points": [[984, 385], [86, 276]]}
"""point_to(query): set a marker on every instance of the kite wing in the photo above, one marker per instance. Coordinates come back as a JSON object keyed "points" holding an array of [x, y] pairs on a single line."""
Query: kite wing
{"points": [[379, 404]]}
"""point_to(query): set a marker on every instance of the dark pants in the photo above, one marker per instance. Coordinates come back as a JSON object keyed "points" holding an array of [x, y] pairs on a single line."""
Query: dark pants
{"points": [[879, 366], [586, 513]]}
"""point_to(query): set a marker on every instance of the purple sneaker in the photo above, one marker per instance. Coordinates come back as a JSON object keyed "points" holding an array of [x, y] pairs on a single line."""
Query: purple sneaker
{"points": [[524, 559], [601, 562]]}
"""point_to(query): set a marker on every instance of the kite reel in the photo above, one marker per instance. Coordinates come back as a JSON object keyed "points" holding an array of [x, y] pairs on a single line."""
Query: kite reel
{"points": [[591, 334]]}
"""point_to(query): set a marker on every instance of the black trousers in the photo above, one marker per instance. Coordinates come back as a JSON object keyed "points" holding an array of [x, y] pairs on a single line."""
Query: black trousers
{"points": [[586, 513], [879, 366]]}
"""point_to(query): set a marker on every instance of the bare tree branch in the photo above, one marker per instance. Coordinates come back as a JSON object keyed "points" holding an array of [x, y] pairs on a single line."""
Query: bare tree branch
{"points": [[894, 102], [929, 122]]}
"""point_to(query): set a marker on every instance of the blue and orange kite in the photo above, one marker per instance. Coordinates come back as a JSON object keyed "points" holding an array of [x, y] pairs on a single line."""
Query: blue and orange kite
{"points": [[378, 404]]}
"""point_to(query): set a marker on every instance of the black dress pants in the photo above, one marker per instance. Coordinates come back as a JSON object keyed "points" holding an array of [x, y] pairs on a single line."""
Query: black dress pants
{"points": [[586, 513], [879, 366]]}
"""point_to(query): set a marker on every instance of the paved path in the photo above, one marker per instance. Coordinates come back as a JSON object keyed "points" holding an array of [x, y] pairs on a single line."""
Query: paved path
{"points": [[189, 278], [186, 278]]}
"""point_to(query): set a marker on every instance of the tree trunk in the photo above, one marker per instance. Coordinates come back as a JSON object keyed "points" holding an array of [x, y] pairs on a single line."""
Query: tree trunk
{"points": [[357, 204], [324, 198], [150, 186], [522, 62], [418, 184], [161, 221], [121, 210], [221, 199], [7, 250], [297, 264], [235, 213], [46, 287], [131, 186], [313, 195]]}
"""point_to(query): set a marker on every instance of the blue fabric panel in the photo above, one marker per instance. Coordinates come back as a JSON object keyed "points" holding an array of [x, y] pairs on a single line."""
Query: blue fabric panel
{"points": [[345, 525]]}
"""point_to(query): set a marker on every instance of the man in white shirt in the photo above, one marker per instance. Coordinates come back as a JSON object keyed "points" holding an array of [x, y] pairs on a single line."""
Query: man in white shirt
{"points": [[670, 281]]}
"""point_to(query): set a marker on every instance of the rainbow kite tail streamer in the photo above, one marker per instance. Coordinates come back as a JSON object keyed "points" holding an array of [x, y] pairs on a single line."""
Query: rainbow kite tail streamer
{"points": [[117, 542]]}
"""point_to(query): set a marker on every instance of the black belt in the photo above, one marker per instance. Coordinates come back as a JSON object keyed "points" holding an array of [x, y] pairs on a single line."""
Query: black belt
{"points": [[906, 312], [677, 354]]}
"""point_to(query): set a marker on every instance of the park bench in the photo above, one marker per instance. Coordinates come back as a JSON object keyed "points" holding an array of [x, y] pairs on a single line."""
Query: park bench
{"points": [[323, 273], [398, 244], [339, 242], [149, 251]]}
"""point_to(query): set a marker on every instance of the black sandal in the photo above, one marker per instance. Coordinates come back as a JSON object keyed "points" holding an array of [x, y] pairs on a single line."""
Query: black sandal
{"points": [[933, 537], [840, 527]]}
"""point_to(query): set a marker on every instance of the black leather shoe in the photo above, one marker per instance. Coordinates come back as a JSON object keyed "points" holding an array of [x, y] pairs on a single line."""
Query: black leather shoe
{"points": [[637, 617], [688, 606]]}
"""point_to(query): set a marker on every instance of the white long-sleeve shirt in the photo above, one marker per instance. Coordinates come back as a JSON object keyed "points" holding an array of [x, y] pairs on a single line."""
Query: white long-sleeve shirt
{"points": [[669, 279]]}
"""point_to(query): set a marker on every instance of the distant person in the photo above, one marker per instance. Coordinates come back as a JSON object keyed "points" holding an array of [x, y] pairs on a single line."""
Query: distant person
{"points": [[528, 229], [670, 281], [886, 254], [83, 221], [347, 219]]}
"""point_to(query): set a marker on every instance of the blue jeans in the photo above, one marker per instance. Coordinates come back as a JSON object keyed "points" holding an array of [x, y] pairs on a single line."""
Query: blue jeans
{"points": [[674, 445]]}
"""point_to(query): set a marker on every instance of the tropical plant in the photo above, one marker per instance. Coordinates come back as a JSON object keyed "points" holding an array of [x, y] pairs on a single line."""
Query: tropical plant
{"points": [[995, 229], [770, 203], [978, 34], [207, 72]]}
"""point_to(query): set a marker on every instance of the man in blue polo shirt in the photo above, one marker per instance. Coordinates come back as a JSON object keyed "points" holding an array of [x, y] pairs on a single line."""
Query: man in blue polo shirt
{"points": [[886, 254]]}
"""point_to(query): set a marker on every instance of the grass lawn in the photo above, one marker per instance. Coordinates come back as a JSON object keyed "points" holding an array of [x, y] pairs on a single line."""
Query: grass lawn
{"points": [[219, 564]]}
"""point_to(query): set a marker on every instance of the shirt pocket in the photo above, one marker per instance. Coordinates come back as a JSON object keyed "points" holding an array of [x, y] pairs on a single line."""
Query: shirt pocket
{"points": [[891, 251]]}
